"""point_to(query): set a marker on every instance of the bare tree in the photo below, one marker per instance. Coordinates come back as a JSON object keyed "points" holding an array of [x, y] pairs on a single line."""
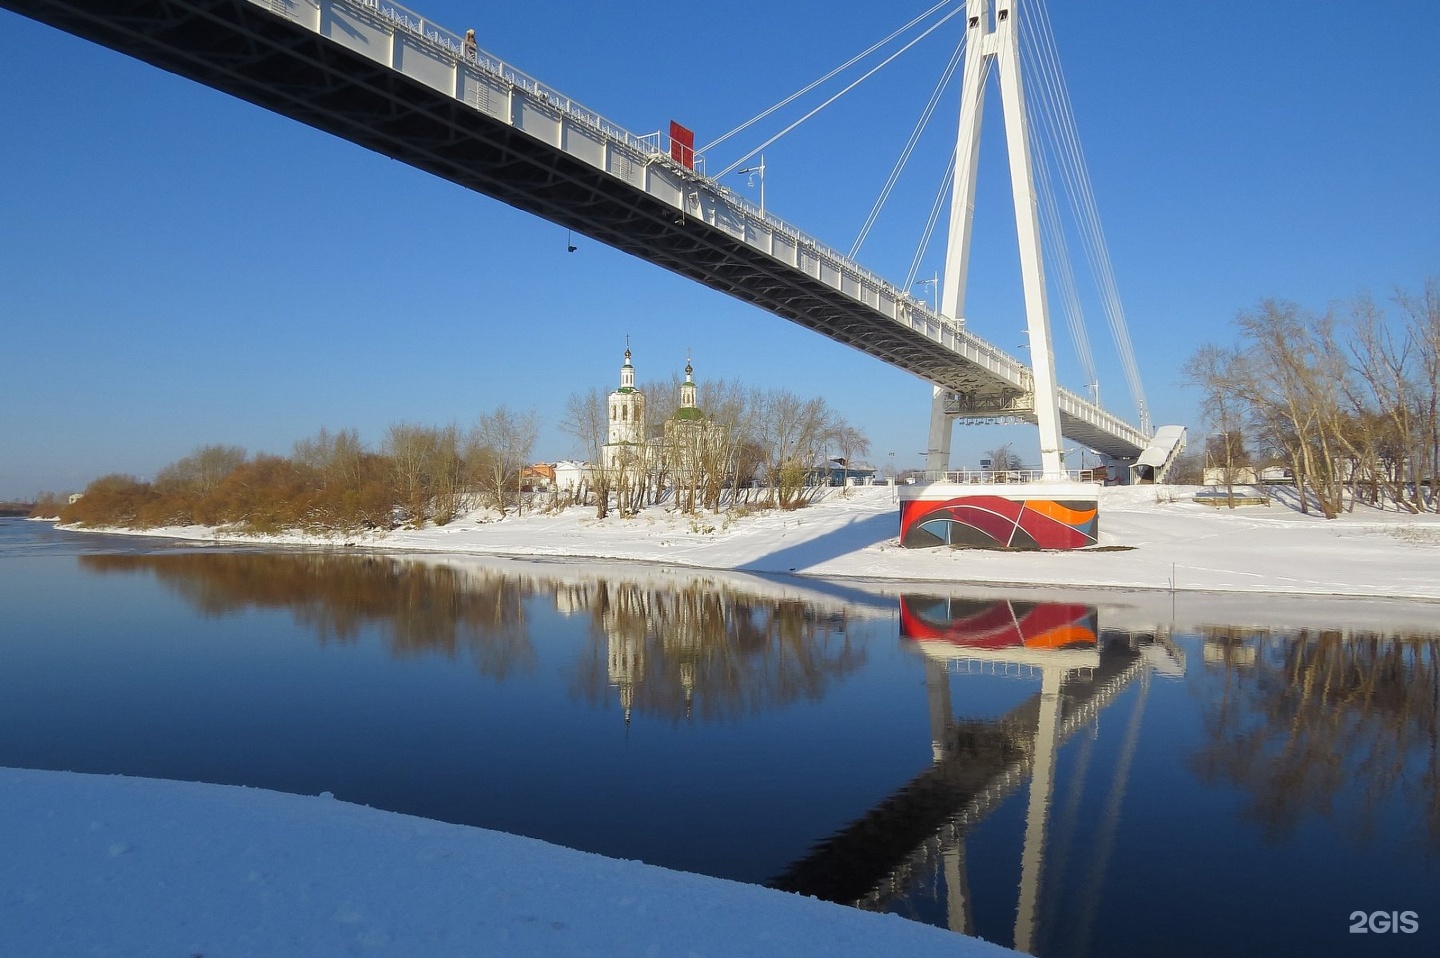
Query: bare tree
{"points": [[850, 442], [1004, 458], [509, 436], [1386, 407], [1188, 469], [335, 457], [1292, 376], [1422, 319], [1216, 373], [794, 433], [731, 419], [585, 419], [203, 470], [411, 450], [447, 474], [649, 471]]}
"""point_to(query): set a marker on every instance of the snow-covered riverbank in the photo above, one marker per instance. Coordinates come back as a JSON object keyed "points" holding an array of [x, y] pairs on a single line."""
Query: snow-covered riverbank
{"points": [[1150, 538], [113, 866]]}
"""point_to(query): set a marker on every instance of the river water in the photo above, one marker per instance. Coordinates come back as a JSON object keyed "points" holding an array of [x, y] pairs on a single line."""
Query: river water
{"points": [[1070, 774]]}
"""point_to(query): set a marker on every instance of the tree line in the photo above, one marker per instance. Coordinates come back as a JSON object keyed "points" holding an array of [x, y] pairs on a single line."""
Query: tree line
{"points": [[750, 447], [330, 482], [1348, 400]]}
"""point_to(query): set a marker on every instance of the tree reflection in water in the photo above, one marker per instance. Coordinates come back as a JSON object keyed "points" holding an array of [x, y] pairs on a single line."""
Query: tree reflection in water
{"points": [[693, 648], [1305, 715], [418, 608]]}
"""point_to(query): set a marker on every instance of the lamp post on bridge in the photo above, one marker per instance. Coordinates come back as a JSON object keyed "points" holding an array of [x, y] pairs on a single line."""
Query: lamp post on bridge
{"points": [[934, 284], [752, 172]]}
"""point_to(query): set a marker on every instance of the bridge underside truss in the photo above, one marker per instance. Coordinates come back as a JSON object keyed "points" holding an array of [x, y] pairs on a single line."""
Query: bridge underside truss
{"points": [[242, 48]]}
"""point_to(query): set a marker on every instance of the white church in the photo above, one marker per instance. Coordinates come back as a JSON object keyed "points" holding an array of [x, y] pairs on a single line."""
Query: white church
{"points": [[625, 436], [628, 438]]}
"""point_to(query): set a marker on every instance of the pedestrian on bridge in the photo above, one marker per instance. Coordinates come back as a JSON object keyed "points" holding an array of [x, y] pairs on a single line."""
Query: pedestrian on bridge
{"points": [[469, 45]]}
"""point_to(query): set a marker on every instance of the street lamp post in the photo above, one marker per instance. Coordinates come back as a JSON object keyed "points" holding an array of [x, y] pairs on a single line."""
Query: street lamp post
{"points": [[934, 284], [753, 171]]}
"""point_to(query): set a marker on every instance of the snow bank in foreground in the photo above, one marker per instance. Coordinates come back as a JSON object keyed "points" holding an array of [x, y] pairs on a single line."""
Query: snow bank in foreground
{"points": [[113, 866]]}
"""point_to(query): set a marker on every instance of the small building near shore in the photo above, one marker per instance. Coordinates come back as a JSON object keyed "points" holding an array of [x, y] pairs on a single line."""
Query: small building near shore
{"points": [[537, 478], [571, 476], [839, 472]]}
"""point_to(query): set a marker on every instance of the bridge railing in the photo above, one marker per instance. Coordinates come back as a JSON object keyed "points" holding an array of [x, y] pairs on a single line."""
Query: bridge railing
{"points": [[978, 351], [975, 477], [437, 36], [971, 346], [1074, 404]]}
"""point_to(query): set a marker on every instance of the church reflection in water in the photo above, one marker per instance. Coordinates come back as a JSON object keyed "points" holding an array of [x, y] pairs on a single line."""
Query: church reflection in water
{"points": [[918, 834], [706, 650]]}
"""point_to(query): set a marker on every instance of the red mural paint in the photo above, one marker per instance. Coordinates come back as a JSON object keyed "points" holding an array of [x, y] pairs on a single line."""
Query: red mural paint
{"points": [[995, 522]]}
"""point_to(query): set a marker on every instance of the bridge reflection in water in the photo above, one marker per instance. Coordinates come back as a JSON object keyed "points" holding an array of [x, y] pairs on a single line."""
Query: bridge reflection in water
{"points": [[921, 829]]}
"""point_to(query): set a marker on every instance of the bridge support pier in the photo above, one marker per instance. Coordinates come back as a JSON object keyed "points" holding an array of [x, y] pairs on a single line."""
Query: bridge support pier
{"points": [[942, 427], [1038, 515]]}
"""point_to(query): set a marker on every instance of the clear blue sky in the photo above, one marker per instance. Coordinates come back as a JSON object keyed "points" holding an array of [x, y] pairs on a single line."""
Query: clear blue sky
{"points": [[179, 268]]}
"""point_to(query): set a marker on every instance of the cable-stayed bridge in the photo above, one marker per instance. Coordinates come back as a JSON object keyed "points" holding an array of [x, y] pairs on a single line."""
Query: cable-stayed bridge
{"points": [[386, 78]]}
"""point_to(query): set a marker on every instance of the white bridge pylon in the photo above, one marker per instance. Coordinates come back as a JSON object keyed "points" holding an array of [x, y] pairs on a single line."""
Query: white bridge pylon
{"points": [[998, 42]]}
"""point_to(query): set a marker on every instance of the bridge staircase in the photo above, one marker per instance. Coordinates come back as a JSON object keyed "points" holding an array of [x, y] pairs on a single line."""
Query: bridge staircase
{"points": [[1159, 457]]}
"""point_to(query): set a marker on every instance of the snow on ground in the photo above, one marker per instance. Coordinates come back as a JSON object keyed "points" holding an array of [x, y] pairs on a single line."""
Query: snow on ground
{"points": [[1157, 538], [112, 866]]}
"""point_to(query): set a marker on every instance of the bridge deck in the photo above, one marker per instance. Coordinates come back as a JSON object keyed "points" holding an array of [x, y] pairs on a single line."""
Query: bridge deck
{"points": [[382, 77]]}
